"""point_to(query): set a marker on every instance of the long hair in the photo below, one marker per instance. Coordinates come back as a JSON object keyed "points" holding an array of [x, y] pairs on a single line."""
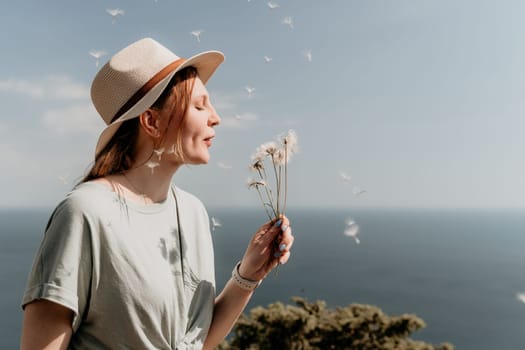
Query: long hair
{"points": [[119, 153]]}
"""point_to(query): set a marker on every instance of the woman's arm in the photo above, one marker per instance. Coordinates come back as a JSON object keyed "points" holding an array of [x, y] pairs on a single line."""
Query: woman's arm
{"points": [[47, 325], [228, 306], [259, 259]]}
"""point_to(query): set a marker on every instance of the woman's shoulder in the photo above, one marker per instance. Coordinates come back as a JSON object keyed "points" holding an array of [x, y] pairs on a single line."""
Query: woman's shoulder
{"points": [[185, 196], [188, 200], [85, 202], [87, 196]]}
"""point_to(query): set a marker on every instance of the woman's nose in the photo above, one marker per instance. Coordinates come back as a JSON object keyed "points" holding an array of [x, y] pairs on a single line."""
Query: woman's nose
{"points": [[214, 118]]}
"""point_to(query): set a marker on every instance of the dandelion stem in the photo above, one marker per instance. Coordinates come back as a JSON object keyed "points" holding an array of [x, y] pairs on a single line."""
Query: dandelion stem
{"points": [[285, 175], [277, 183], [269, 192], [263, 203]]}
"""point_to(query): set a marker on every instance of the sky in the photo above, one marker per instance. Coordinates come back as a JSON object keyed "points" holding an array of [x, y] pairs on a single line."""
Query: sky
{"points": [[420, 102]]}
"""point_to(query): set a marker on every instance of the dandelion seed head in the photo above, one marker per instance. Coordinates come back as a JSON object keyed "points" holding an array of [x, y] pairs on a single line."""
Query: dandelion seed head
{"points": [[255, 183], [268, 148], [290, 140], [257, 165], [281, 157]]}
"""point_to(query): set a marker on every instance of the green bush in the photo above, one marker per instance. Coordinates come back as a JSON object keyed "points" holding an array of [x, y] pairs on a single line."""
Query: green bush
{"points": [[312, 326]]}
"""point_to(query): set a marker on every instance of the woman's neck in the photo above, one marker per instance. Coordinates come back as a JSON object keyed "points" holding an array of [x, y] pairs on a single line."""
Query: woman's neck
{"points": [[152, 184]]}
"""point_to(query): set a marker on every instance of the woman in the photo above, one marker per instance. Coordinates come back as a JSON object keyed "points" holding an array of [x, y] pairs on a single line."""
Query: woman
{"points": [[127, 259]]}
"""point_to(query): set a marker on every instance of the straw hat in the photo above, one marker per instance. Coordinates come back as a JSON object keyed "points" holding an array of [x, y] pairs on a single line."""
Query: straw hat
{"points": [[136, 76]]}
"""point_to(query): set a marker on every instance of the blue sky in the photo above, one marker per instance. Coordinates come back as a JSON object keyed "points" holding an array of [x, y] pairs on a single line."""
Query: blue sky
{"points": [[421, 102]]}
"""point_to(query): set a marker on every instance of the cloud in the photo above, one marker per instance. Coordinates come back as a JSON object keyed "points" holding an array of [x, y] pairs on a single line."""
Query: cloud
{"points": [[59, 87], [79, 118]]}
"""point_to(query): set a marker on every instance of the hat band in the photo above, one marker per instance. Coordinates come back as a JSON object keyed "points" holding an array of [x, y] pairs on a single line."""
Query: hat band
{"points": [[147, 87]]}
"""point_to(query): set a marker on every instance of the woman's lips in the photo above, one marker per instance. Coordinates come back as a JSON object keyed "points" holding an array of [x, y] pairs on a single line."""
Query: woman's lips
{"points": [[207, 141]]}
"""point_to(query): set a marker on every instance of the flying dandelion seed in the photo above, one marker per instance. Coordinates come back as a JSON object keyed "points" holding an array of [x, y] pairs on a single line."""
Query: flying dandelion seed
{"points": [[159, 152], [97, 54], [152, 165], [267, 59], [248, 117], [197, 34], [215, 223], [308, 55], [288, 21], [352, 230], [345, 177], [250, 90], [272, 5], [171, 150], [521, 297], [223, 165], [350, 222], [64, 179], [114, 13], [358, 191]]}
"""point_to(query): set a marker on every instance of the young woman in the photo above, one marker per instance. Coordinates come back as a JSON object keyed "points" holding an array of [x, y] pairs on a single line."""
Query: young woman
{"points": [[126, 261]]}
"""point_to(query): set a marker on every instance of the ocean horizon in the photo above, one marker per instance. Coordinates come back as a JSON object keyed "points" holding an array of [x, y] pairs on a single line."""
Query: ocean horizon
{"points": [[458, 270]]}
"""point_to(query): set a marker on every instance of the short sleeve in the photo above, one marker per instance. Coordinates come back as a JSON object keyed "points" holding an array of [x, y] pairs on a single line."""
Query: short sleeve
{"points": [[61, 270]]}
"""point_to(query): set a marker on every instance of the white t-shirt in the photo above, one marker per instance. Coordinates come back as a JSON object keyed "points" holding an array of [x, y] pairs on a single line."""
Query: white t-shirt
{"points": [[131, 278]]}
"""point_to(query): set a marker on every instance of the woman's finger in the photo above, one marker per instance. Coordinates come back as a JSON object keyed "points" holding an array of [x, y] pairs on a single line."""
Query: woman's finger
{"points": [[274, 229], [284, 257]]}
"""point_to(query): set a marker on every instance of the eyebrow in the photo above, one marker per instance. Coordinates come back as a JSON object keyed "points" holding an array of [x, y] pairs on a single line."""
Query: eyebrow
{"points": [[202, 98]]}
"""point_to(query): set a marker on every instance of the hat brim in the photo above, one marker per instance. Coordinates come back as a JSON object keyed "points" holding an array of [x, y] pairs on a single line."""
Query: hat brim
{"points": [[206, 63]]}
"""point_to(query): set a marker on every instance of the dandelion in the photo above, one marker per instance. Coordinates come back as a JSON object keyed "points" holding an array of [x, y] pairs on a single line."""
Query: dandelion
{"points": [[272, 189]]}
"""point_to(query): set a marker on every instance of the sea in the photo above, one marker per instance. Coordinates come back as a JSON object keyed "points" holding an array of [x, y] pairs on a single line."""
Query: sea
{"points": [[461, 271]]}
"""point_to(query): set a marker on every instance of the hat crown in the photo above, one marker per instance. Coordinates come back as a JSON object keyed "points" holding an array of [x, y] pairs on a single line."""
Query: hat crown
{"points": [[125, 73]]}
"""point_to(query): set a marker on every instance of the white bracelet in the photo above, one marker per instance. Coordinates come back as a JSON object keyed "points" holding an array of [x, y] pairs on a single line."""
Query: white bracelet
{"points": [[243, 282]]}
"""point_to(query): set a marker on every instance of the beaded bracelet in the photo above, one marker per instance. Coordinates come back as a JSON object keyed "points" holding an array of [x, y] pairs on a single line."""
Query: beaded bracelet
{"points": [[243, 282]]}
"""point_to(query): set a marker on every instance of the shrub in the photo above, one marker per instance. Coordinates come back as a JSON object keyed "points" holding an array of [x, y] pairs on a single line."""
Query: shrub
{"points": [[312, 326]]}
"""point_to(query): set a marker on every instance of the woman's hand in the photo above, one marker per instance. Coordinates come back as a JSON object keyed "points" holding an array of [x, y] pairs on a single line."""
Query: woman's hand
{"points": [[269, 246]]}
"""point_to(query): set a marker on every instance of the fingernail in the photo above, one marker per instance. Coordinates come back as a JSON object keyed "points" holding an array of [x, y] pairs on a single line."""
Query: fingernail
{"points": [[277, 255], [284, 227], [278, 223], [282, 247]]}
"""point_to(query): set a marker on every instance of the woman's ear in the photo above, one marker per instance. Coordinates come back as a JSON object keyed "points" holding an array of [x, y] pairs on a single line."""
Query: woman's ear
{"points": [[150, 122]]}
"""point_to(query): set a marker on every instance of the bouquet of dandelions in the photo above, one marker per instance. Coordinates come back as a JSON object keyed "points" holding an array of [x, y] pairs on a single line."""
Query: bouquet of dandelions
{"points": [[271, 182]]}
